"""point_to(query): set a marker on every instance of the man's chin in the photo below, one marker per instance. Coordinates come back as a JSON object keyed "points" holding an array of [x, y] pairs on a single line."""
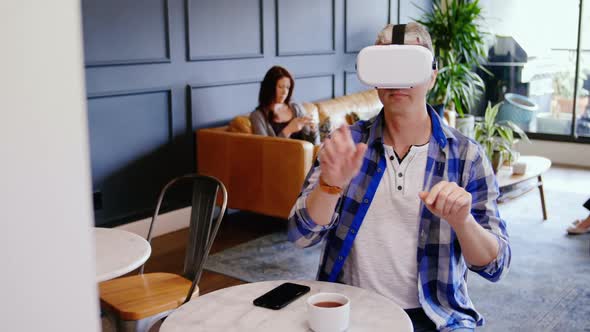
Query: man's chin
{"points": [[399, 100], [402, 105]]}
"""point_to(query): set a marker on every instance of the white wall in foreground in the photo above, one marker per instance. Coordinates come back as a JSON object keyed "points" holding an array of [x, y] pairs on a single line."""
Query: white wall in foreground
{"points": [[47, 278]]}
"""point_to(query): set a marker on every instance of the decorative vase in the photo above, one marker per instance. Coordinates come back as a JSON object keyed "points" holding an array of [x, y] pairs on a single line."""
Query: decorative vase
{"points": [[466, 125], [518, 109]]}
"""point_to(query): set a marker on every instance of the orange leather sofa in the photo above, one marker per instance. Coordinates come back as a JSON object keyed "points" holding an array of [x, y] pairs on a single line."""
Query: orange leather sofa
{"points": [[265, 174]]}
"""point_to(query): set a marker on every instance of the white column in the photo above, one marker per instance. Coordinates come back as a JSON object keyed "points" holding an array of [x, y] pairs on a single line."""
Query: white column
{"points": [[47, 263]]}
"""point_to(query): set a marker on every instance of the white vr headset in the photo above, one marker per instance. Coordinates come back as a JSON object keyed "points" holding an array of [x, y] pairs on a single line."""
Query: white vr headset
{"points": [[397, 65]]}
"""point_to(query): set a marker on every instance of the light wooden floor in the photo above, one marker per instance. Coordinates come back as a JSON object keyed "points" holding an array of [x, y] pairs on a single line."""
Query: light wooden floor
{"points": [[236, 228]]}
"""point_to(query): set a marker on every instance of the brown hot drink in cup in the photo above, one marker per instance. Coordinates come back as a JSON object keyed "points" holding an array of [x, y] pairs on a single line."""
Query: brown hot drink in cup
{"points": [[328, 304], [328, 312]]}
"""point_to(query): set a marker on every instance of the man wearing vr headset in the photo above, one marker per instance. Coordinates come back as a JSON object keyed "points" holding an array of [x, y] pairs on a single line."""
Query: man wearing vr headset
{"points": [[405, 203]]}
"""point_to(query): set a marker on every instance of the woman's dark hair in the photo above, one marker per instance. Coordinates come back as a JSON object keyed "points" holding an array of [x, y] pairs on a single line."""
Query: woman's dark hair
{"points": [[268, 90]]}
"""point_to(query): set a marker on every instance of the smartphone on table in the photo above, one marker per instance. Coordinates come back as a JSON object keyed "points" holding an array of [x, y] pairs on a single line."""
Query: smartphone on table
{"points": [[281, 295]]}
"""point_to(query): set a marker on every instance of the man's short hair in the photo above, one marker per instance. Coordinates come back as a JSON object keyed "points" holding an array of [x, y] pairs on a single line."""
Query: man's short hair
{"points": [[416, 33]]}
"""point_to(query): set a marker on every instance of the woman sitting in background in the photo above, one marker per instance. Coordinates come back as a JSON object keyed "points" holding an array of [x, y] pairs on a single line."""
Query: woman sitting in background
{"points": [[276, 115]]}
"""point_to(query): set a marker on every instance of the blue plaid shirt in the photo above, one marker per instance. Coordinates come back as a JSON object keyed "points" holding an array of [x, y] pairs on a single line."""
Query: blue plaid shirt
{"points": [[442, 270]]}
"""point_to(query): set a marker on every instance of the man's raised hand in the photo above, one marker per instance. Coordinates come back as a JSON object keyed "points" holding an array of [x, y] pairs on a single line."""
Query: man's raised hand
{"points": [[340, 158]]}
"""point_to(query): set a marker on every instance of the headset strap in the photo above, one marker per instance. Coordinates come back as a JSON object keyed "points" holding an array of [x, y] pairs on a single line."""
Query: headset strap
{"points": [[398, 33], [397, 38]]}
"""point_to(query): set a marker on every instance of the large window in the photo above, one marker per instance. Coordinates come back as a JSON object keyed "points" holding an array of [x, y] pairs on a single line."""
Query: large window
{"points": [[583, 111], [539, 58]]}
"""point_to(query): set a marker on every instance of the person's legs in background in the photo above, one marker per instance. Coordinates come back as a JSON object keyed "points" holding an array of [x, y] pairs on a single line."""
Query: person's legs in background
{"points": [[581, 226]]}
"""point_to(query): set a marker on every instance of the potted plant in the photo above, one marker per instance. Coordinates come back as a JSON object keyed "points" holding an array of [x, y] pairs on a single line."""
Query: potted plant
{"points": [[497, 138], [458, 42], [559, 120], [563, 88]]}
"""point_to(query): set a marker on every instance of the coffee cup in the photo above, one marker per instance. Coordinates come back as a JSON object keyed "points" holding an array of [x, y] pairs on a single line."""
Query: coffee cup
{"points": [[328, 312]]}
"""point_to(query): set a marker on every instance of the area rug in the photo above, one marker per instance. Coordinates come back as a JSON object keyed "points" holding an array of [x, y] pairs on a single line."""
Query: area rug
{"points": [[546, 289]]}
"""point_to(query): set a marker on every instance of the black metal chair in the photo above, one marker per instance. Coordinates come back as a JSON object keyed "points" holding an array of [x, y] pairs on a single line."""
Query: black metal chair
{"points": [[136, 303]]}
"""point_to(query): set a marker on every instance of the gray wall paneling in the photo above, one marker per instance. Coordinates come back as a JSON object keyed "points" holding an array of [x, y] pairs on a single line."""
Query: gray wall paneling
{"points": [[130, 137], [214, 104], [305, 27], [126, 38], [224, 29], [314, 87], [410, 10], [363, 19], [210, 55], [352, 83]]}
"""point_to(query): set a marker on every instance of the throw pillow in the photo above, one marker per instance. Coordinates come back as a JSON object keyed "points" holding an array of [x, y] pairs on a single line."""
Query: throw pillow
{"points": [[240, 124]]}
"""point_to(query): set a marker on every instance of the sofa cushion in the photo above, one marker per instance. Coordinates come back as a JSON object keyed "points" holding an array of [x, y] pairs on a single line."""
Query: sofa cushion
{"points": [[348, 109], [310, 109]]}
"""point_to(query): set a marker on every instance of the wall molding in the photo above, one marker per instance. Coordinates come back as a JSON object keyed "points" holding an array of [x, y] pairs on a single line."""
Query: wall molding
{"points": [[346, 73], [197, 86], [222, 83], [120, 93], [310, 52], [316, 75], [346, 50], [145, 61], [235, 56]]}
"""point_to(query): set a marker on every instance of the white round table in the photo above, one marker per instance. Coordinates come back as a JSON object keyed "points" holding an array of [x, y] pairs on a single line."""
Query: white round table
{"points": [[231, 309], [535, 167], [118, 252]]}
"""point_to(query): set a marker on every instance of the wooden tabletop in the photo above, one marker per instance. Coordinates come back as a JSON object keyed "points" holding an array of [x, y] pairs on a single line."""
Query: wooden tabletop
{"points": [[535, 166], [231, 309], [118, 252]]}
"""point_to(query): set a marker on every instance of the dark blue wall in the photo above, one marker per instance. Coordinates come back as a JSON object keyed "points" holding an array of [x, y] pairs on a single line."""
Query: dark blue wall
{"points": [[156, 70]]}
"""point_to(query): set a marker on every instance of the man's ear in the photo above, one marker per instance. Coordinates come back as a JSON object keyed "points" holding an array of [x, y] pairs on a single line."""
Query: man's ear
{"points": [[433, 79]]}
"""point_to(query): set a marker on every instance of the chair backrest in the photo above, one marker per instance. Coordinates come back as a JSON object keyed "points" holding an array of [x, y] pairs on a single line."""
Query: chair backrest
{"points": [[206, 192]]}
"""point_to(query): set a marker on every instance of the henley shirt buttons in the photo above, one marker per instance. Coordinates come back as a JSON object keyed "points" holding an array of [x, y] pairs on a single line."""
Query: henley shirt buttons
{"points": [[399, 187], [390, 157], [400, 175]]}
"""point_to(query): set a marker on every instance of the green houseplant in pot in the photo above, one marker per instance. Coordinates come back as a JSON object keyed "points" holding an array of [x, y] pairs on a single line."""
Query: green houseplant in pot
{"points": [[559, 120], [497, 138], [563, 87], [458, 41]]}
